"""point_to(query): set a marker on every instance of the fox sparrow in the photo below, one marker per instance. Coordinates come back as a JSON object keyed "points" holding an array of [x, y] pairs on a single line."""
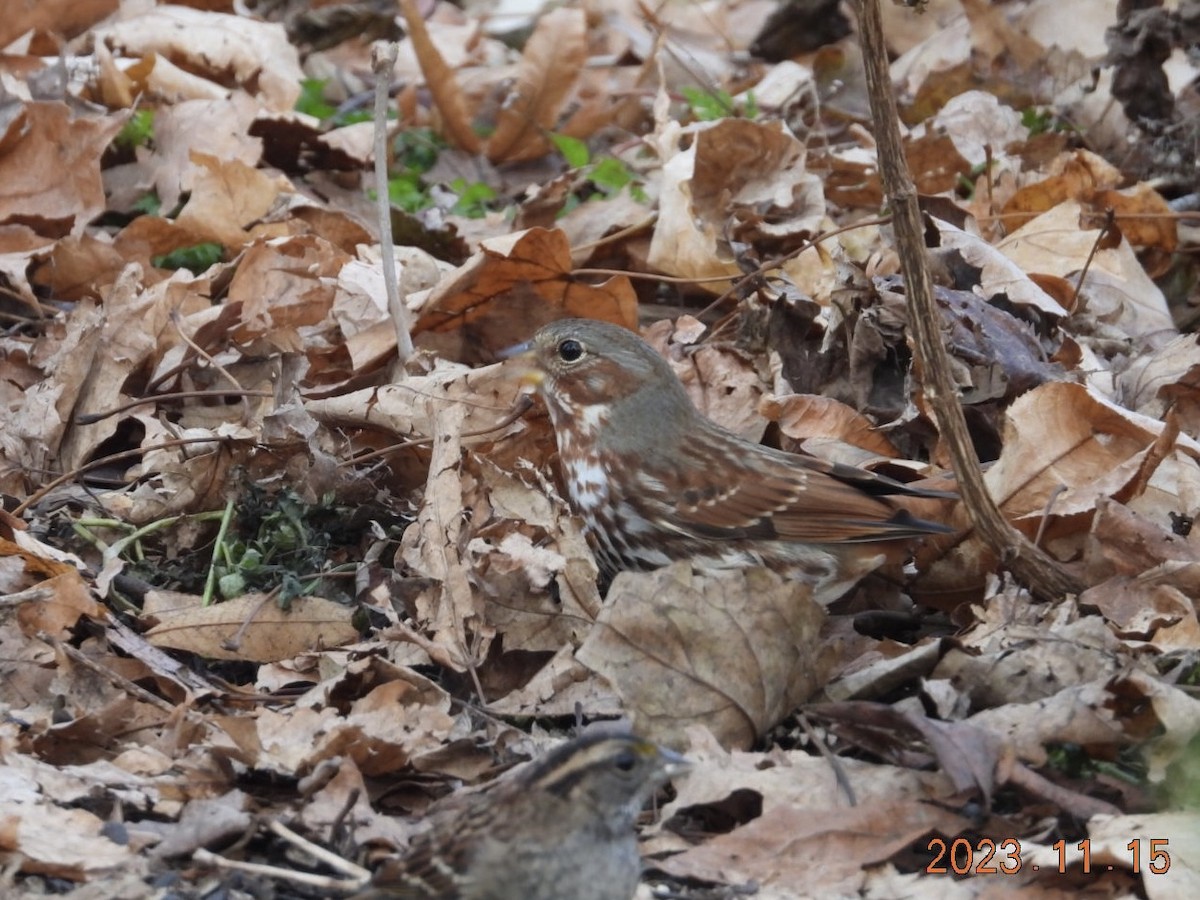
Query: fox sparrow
{"points": [[655, 481], [560, 827]]}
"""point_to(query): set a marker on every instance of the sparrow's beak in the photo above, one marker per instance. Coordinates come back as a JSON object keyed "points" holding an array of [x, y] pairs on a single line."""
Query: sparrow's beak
{"points": [[526, 360], [673, 763]]}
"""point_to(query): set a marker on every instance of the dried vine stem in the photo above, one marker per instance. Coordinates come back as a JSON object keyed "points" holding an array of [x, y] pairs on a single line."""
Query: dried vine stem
{"points": [[1032, 567]]}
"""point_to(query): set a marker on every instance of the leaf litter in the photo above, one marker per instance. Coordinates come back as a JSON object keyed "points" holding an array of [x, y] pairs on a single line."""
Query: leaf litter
{"points": [[195, 329]]}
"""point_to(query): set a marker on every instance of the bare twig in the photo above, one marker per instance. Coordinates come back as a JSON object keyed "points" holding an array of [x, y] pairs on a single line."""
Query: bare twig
{"points": [[1034, 568], [383, 62], [37, 496], [320, 882], [120, 682], [92, 418], [357, 873]]}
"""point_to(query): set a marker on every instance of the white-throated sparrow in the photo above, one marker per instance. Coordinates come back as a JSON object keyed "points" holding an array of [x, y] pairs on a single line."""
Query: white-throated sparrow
{"points": [[558, 828]]}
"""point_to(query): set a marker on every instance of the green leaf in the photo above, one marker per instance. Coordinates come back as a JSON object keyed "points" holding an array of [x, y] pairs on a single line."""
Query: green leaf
{"points": [[312, 99], [231, 585], [610, 174], [573, 150], [149, 204], [138, 131], [708, 107], [408, 192], [417, 149], [472, 198], [196, 258]]}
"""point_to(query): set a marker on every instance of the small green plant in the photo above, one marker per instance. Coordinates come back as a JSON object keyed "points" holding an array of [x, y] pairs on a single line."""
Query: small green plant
{"points": [[138, 131], [608, 174], [473, 198], [196, 259], [708, 106], [278, 542], [312, 102], [148, 204], [417, 151], [1043, 120], [573, 150]]}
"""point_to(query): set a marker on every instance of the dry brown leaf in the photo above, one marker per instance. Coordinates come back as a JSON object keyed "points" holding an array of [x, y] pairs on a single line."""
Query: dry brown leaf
{"points": [[1002, 659], [227, 199], [1144, 217], [1150, 607], [1063, 435], [50, 167], [61, 843], [1085, 714], [1169, 376], [20, 249], [285, 286], [1079, 175], [216, 128], [1000, 274], [256, 54], [66, 18], [503, 294], [252, 627], [133, 322], [738, 180], [735, 650], [562, 687], [816, 422], [452, 612], [550, 66], [1117, 289], [66, 599], [795, 851], [447, 96], [1166, 855]]}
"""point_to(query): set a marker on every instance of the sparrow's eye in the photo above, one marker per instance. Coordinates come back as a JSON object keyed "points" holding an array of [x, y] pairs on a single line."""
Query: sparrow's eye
{"points": [[625, 761], [570, 350]]}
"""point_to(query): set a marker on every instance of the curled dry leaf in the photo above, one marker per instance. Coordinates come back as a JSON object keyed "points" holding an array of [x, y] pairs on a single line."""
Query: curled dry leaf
{"points": [[61, 843], [795, 851], [59, 198], [738, 180], [256, 54], [821, 424], [229, 201], [1065, 435], [452, 611], [1018, 649], [512, 287], [736, 649], [551, 62], [1179, 834], [1117, 290], [252, 627]]}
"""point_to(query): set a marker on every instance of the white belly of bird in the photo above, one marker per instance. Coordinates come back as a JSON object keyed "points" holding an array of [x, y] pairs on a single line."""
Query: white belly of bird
{"points": [[587, 484]]}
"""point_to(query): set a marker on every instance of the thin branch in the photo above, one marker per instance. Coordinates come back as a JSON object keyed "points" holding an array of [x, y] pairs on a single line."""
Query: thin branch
{"points": [[1040, 572], [383, 63]]}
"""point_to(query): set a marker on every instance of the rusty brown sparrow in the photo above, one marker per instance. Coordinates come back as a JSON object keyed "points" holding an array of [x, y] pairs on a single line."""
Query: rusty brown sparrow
{"points": [[655, 481]]}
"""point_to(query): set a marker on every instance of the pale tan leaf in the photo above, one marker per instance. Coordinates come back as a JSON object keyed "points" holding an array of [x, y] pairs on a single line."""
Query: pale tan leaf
{"points": [[252, 627], [736, 650]]}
